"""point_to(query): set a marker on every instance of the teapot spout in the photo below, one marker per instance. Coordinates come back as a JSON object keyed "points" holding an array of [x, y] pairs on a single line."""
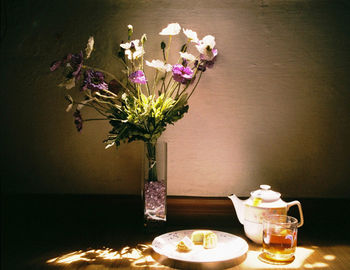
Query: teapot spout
{"points": [[239, 207]]}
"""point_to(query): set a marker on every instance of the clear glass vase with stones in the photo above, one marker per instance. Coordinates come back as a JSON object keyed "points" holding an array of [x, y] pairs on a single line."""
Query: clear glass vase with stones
{"points": [[154, 184]]}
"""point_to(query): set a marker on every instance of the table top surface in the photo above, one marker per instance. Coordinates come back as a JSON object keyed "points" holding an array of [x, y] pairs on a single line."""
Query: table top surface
{"points": [[109, 235], [140, 255]]}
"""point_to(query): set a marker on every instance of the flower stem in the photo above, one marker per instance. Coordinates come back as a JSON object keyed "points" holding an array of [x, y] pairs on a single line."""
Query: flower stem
{"points": [[163, 83], [167, 87], [200, 75], [173, 87], [152, 161], [167, 52], [95, 119], [92, 106], [155, 81]]}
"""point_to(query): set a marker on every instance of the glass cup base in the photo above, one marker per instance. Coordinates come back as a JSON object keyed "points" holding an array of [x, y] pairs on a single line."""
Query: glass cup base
{"points": [[264, 257]]}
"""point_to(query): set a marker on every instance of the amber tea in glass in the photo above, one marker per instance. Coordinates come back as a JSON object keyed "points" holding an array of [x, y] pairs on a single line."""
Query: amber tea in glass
{"points": [[279, 237]]}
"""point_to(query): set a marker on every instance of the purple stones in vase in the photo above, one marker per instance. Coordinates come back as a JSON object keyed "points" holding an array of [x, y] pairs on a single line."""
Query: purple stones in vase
{"points": [[155, 201]]}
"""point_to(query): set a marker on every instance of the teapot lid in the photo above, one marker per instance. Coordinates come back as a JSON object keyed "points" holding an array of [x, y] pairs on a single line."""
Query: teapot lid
{"points": [[266, 194]]}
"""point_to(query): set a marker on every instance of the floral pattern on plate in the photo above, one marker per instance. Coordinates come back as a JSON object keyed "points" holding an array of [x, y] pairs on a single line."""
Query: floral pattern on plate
{"points": [[229, 247]]}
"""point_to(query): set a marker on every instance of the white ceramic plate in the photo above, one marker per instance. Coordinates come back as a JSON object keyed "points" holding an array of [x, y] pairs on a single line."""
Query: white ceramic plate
{"points": [[229, 247]]}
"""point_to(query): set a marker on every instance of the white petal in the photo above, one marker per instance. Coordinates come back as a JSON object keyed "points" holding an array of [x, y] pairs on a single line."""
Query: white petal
{"points": [[209, 41], [158, 64], [68, 84], [125, 45], [155, 63], [138, 54], [89, 47], [168, 67], [136, 42], [171, 30], [69, 107], [109, 145], [200, 48], [191, 35], [128, 53], [187, 56]]}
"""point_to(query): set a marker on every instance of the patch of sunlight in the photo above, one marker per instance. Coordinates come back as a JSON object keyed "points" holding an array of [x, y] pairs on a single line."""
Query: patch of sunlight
{"points": [[75, 256], [252, 261], [316, 265], [329, 257], [138, 256]]}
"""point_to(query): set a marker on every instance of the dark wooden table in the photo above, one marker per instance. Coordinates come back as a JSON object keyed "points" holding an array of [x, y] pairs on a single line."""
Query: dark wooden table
{"points": [[106, 232]]}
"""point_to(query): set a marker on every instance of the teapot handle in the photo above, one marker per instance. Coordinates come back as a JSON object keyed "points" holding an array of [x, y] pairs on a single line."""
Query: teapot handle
{"points": [[300, 211]]}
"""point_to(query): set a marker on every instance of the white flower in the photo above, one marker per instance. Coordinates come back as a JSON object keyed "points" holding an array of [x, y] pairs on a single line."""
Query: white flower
{"points": [[191, 35], [89, 47], [209, 55], [132, 49], [206, 44], [187, 56], [158, 64], [171, 30]]}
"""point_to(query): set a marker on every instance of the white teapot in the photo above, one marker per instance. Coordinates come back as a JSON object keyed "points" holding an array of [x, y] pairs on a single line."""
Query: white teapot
{"points": [[262, 202]]}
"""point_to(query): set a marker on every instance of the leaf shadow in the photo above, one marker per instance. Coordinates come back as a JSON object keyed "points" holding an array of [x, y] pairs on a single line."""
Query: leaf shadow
{"points": [[137, 256]]}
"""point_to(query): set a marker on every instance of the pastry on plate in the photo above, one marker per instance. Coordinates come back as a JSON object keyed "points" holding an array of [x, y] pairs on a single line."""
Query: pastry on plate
{"points": [[210, 240], [185, 245], [204, 237]]}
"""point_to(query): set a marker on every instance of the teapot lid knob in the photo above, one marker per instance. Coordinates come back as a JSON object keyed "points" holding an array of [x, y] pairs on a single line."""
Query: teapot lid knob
{"points": [[266, 194], [265, 187]]}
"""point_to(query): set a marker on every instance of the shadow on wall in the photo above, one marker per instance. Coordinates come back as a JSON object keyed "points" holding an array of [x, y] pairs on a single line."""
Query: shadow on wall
{"points": [[278, 94]]}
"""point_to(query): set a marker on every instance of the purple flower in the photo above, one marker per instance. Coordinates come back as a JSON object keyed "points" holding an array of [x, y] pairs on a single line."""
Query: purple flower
{"points": [[94, 80], [78, 120], [138, 77], [73, 62], [182, 74]]}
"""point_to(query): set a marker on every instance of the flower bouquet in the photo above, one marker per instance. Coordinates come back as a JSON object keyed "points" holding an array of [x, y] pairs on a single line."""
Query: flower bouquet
{"points": [[139, 107]]}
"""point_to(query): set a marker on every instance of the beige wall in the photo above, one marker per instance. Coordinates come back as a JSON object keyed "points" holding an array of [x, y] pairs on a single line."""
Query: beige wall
{"points": [[274, 110]]}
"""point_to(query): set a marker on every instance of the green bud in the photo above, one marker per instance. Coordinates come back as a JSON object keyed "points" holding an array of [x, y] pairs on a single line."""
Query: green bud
{"points": [[130, 31], [162, 45], [143, 39]]}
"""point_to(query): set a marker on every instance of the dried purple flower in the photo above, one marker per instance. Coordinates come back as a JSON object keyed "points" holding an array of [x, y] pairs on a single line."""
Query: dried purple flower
{"points": [[182, 74], [78, 120], [73, 62], [94, 80], [55, 65], [200, 66], [138, 77], [76, 61]]}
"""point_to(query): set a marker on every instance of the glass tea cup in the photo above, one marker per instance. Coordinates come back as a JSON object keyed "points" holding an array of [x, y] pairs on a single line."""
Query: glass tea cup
{"points": [[279, 238]]}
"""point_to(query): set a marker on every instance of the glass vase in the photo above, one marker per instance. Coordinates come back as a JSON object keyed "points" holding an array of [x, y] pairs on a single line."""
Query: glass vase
{"points": [[154, 188]]}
